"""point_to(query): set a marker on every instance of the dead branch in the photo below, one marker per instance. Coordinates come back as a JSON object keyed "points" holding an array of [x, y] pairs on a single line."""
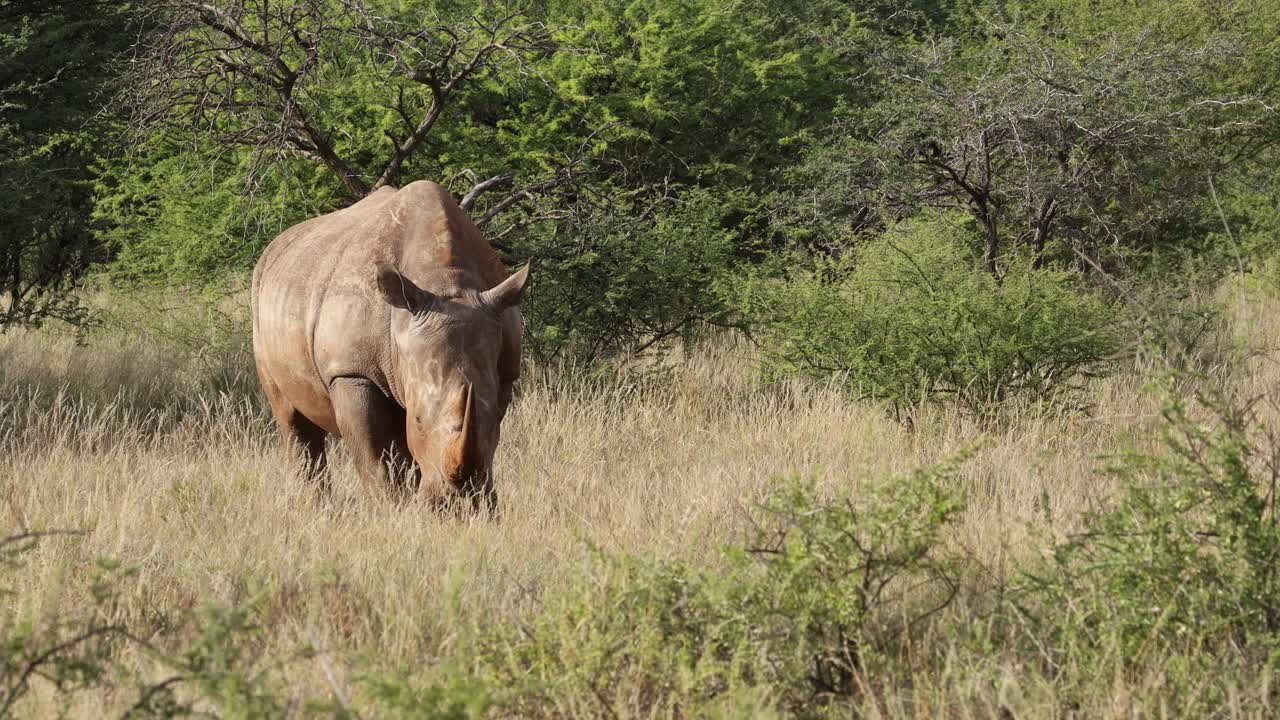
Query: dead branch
{"points": [[247, 73]]}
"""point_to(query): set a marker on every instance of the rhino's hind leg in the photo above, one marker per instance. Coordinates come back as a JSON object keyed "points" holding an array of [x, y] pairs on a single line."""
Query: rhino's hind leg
{"points": [[372, 425], [303, 439], [306, 439]]}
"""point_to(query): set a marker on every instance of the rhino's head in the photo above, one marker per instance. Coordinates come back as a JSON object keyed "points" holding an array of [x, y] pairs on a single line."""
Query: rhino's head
{"points": [[447, 344]]}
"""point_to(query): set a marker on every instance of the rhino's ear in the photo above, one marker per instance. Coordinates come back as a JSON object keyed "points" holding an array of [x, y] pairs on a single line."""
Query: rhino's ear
{"points": [[507, 293], [400, 291]]}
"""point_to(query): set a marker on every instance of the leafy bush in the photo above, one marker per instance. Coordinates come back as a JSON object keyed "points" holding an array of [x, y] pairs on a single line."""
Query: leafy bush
{"points": [[177, 216], [77, 649], [791, 621], [1189, 556], [622, 281], [1182, 323], [1244, 219], [834, 584], [912, 316], [453, 696], [70, 651]]}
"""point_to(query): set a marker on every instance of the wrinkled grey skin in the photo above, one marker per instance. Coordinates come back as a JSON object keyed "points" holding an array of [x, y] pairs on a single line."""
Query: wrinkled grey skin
{"points": [[393, 324]]}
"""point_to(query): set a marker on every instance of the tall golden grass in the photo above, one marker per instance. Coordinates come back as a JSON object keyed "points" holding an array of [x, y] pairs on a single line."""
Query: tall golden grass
{"points": [[168, 460]]}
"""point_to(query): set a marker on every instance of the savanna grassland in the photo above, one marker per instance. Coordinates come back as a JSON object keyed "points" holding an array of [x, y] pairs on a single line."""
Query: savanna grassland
{"points": [[165, 461], [881, 359]]}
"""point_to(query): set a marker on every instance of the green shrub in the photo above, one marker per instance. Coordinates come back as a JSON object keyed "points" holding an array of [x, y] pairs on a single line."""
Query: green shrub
{"points": [[912, 316], [70, 651], [77, 649], [621, 281], [180, 216], [1189, 556], [832, 585], [453, 695], [1264, 276], [812, 602]]}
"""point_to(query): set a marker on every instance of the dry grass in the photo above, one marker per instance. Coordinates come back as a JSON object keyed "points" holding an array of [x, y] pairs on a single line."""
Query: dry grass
{"points": [[175, 469]]}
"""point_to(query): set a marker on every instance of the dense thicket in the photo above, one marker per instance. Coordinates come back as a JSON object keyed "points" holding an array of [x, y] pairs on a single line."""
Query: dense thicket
{"points": [[57, 69], [653, 154]]}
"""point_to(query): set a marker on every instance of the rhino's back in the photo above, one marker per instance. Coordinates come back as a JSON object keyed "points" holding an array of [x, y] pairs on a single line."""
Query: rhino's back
{"points": [[304, 276], [317, 312]]}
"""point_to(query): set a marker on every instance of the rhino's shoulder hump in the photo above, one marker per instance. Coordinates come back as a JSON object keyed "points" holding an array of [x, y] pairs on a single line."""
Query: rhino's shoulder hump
{"points": [[425, 190]]}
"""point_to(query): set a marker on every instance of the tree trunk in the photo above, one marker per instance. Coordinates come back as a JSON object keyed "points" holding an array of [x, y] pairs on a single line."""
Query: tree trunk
{"points": [[1044, 224], [991, 243]]}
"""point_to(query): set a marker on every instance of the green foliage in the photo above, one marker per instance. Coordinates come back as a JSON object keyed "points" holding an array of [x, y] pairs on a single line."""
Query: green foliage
{"points": [[839, 581], [75, 649], [1088, 131], [71, 652], [453, 696], [652, 634], [795, 619], [222, 667], [913, 317], [57, 61], [1247, 235], [174, 216], [623, 281], [1188, 557], [708, 91]]}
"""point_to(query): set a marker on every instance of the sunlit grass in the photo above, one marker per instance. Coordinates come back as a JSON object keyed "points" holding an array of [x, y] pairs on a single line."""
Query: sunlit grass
{"points": [[169, 462]]}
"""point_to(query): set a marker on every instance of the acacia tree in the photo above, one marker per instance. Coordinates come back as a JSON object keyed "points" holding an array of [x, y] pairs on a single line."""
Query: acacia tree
{"points": [[57, 64], [354, 86], [1038, 135], [586, 142]]}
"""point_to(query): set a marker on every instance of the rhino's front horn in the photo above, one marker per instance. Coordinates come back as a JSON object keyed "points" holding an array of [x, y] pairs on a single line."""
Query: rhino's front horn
{"points": [[464, 458]]}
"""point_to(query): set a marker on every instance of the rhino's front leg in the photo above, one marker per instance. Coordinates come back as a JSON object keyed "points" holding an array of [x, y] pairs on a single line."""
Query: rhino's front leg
{"points": [[372, 425]]}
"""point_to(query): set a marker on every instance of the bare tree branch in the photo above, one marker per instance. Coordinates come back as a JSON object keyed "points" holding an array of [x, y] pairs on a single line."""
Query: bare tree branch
{"points": [[1035, 135], [469, 200], [245, 73]]}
